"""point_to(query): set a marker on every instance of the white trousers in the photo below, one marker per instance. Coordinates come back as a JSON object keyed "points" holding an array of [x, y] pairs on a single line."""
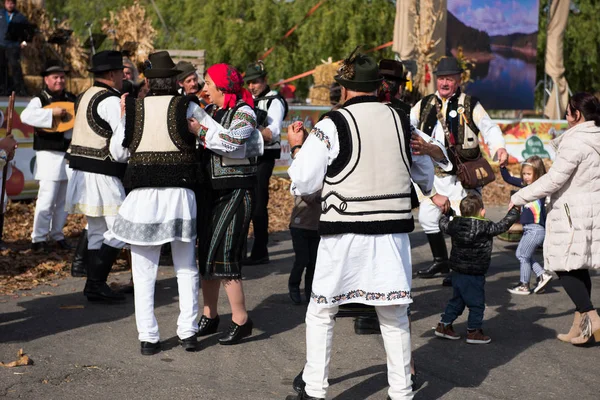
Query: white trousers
{"points": [[144, 261], [429, 213], [50, 216], [393, 321], [100, 231]]}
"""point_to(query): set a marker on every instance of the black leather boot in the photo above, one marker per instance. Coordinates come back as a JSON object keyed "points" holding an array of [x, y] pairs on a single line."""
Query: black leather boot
{"points": [[367, 326], [99, 267], [78, 266], [440, 256]]}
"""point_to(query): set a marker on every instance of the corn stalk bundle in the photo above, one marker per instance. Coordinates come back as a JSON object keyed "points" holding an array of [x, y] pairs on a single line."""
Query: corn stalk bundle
{"points": [[72, 52], [131, 24]]}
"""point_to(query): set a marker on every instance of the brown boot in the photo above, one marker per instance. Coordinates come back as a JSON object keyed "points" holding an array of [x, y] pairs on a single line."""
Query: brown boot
{"points": [[573, 332], [590, 327]]}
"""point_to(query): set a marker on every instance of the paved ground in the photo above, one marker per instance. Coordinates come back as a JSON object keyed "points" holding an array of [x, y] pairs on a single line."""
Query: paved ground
{"points": [[91, 352]]}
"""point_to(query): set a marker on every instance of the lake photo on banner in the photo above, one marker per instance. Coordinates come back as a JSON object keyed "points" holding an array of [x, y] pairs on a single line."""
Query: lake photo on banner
{"points": [[506, 82], [500, 37]]}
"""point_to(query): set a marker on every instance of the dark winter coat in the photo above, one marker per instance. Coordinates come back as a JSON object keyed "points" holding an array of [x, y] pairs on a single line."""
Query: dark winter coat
{"points": [[472, 240]]}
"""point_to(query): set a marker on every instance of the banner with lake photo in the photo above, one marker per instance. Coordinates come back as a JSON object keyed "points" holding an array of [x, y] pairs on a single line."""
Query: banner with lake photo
{"points": [[500, 36]]}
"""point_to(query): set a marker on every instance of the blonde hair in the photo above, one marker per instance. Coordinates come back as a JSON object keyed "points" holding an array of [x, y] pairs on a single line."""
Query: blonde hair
{"points": [[537, 164]]}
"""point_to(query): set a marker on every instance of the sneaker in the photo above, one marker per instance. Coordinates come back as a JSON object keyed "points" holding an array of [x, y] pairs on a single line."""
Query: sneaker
{"points": [[545, 278], [476, 336], [446, 332], [520, 289]]}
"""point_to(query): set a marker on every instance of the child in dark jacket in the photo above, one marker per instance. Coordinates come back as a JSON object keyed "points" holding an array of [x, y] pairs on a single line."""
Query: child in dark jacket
{"points": [[470, 258]]}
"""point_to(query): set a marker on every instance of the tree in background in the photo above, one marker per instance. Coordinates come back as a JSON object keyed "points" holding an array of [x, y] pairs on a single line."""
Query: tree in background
{"points": [[581, 46], [239, 31]]}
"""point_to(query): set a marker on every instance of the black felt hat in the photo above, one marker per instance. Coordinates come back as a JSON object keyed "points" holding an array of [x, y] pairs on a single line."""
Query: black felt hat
{"points": [[254, 71], [359, 73], [107, 60], [186, 68], [392, 70], [448, 66], [53, 66], [161, 66]]}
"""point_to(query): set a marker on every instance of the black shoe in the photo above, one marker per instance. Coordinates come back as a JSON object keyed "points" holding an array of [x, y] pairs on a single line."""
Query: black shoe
{"points": [[101, 292], [208, 326], [63, 245], [236, 333], [39, 247], [299, 383], [439, 266], [367, 326], [295, 294], [447, 281], [302, 396], [189, 344], [78, 266], [440, 256], [149, 349], [256, 261]]}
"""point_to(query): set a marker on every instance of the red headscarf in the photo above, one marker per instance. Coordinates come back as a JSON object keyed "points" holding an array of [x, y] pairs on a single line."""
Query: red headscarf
{"points": [[229, 81]]}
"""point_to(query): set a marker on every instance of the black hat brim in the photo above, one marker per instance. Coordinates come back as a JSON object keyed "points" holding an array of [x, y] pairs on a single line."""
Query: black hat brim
{"points": [[105, 68], [446, 72], [54, 70], [251, 77], [359, 86], [161, 73]]}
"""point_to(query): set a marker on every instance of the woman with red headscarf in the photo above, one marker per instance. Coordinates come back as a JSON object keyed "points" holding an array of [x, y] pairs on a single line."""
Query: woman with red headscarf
{"points": [[223, 129]]}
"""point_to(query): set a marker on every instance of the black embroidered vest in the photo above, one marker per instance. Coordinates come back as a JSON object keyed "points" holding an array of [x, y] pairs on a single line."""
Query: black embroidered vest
{"points": [[163, 151], [228, 173], [53, 141]]}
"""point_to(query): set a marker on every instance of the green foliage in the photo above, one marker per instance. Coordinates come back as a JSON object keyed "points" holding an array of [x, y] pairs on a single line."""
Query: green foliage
{"points": [[581, 46], [239, 31]]}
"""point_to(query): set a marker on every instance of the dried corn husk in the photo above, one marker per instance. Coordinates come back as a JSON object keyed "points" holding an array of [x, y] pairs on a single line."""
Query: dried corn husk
{"points": [[131, 24], [72, 53]]}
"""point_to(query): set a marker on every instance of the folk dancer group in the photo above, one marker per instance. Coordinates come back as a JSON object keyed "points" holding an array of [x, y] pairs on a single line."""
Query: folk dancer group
{"points": [[190, 178]]}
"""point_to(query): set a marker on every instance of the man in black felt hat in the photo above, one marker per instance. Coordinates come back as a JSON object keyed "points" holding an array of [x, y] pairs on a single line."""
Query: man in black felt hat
{"points": [[271, 110], [160, 207], [465, 118], [98, 161], [188, 80], [50, 165], [364, 253]]}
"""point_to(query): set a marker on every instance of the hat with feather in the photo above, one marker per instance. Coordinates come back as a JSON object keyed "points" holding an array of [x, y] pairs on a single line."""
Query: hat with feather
{"points": [[359, 73]]}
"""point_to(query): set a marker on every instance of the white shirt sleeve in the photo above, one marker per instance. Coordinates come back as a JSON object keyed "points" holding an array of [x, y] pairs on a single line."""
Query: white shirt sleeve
{"points": [[275, 119], [446, 165], [421, 173], [320, 149], [415, 112], [490, 131], [1, 118], [36, 116], [109, 110], [226, 141]]}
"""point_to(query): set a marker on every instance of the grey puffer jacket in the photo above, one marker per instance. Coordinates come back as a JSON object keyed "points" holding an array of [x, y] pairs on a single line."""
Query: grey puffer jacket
{"points": [[573, 184], [472, 240]]}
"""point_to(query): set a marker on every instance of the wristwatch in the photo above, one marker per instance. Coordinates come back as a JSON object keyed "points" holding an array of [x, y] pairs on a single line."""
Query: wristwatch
{"points": [[298, 146]]}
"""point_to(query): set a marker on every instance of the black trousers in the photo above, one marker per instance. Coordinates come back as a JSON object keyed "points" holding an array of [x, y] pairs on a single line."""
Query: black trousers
{"points": [[306, 244], [578, 285], [10, 60], [260, 215]]}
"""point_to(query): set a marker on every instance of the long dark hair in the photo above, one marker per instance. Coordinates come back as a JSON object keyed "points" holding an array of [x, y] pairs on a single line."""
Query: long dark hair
{"points": [[588, 106]]}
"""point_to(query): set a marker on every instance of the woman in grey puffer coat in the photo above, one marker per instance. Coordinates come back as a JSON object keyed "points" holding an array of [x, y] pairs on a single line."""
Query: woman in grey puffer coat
{"points": [[572, 244]]}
